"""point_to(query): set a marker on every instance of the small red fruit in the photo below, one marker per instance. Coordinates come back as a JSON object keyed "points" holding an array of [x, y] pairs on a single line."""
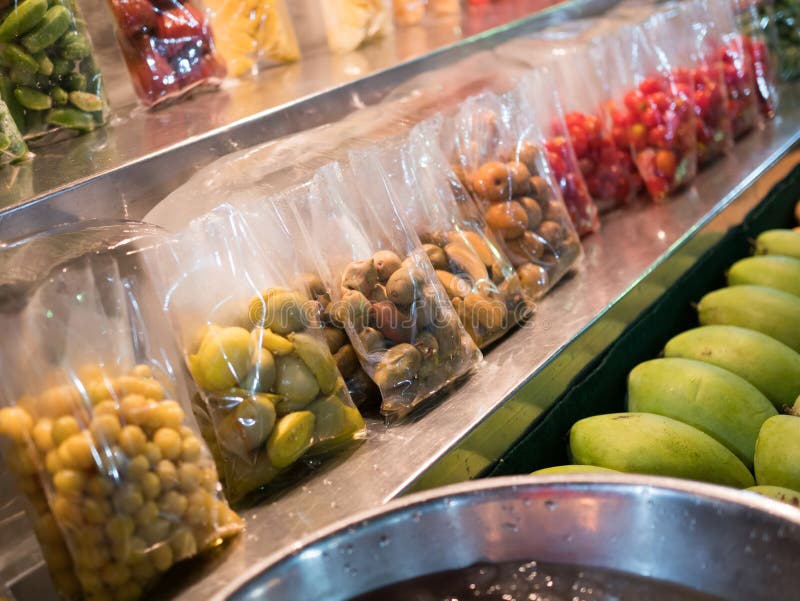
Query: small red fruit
{"points": [[666, 163]]}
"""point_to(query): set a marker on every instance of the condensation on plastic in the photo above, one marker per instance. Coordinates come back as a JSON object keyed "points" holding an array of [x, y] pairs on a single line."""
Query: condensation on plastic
{"points": [[344, 24], [49, 78], [384, 290], [119, 484], [271, 397], [252, 33], [757, 28], [481, 282], [168, 47], [652, 113], [680, 36], [12, 146], [498, 149], [609, 172]]}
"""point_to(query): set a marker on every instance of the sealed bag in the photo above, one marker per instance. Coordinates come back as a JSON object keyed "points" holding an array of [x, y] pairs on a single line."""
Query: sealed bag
{"points": [[48, 75], [271, 396], [344, 24], [252, 33], [578, 87], [502, 158], [384, 292], [415, 178], [651, 110], [12, 146], [757, 29], [786, 43], [94, 419], [167, 46]]}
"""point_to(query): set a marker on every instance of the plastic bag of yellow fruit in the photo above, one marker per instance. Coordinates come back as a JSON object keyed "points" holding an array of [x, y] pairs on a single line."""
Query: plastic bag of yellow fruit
{"points": [[95, 423], [345, 24], [271, 395], [252, 33]]}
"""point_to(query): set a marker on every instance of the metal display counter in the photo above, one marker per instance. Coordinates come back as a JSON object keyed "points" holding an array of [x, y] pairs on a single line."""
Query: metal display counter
{"points": [[639, 252]]}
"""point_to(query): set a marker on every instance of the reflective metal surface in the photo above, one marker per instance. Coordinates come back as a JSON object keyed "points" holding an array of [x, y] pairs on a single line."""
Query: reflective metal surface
{"points": [[124, 169], [731, 544]]}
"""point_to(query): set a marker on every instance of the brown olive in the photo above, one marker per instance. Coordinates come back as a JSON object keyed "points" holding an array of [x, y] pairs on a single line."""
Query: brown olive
{"points": [[386, 263], [398, 367], [346, 360], [520, 178], [553, 232], [361, 276], [507, 219], [372, 340], [528, 154], [534, 279], [524, 249], [533, 210], [393, 323], [436, 256], [353, 308], [402, 287], [492, 181], [335, 337], [378, 294], [539, 188]]}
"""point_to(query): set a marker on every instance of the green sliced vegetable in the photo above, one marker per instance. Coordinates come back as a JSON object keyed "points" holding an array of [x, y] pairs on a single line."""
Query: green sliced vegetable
{"points": [[75, 82], [59, 95], [86, 101], [55, 23], [22, 19], [33, 99], [71, 118], [16, 57], [45, 64]]}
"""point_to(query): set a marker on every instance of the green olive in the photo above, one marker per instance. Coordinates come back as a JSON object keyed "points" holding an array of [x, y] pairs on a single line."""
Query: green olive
{"points": [[275, 344], [372, 340], [223, 359], [295, 382], [399, 366], [335, 421], [248, 425], [448, 335], [261, 376], [315, 354], [346, 360], [291, 438], [361, 276], [279, 310]]}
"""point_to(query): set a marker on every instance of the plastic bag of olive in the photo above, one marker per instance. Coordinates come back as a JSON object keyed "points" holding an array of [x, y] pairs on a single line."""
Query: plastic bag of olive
{"points": [[271, 395], [413, 175], [120, 486], [496, 146], [384, 291]]}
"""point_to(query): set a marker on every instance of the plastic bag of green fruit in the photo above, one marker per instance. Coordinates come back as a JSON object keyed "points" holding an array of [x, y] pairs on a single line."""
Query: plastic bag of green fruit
{"points": [[95, 415], [48, 74], [271, 397]]}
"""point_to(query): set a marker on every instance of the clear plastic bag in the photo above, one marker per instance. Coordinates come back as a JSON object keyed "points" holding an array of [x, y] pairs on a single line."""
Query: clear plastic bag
{"points": [[501, 157], [48, 75], [786, 45], [120, 485], [610, 174], [347, 24], [755, 23], [12, 146], [686, 56], [384, 291], [409, 12], [271, 396], [252, 33], [480, 281], [651, 112], [168, 47]]}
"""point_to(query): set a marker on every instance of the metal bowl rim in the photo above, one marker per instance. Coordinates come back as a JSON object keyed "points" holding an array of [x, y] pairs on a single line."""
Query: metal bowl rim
{"points": [[597, 482]]}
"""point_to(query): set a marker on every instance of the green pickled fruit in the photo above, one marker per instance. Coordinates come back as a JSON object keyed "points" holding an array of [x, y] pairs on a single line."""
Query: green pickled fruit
{"points": [[53, 25], [248, 425], [71, 119], [223, 359], [779, 493], [75, 82], [261, 377], [781, 273], [59, 95], [778, 452], [33, 100], [317, 357], [715, 401], [779, 242], [644, 443], [16, 57], [22, 19], [771, 312], [243, 474], [86, 101], [573, 469], [279, 310], [335, 422], [295, 382], [46, 66], [291, 438], [767, 364], [275, 344]]}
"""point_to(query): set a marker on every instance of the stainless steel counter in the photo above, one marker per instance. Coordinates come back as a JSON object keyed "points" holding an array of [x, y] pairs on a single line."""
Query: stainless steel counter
{"points": [[124, 169]]}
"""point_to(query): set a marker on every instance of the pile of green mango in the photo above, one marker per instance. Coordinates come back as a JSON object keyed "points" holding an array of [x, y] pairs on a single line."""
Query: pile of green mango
{"points": [[723, 403]]}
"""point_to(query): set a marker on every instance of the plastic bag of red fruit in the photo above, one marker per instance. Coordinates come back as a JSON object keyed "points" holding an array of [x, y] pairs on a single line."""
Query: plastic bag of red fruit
{"points": [[756, 31], [650, 108], [167, 46], [610, 174]]}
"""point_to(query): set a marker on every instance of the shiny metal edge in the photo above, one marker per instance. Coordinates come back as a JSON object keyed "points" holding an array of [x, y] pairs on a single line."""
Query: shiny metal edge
{"points": [[124, 169], [639, 252], [500, 487]]}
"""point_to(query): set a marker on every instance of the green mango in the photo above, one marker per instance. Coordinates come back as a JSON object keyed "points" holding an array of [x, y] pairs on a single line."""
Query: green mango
{"points": [[781, 273], [777, 459]]}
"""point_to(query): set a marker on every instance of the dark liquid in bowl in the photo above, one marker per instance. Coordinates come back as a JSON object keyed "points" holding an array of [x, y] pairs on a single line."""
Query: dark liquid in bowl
{"points": [[534, 581]]}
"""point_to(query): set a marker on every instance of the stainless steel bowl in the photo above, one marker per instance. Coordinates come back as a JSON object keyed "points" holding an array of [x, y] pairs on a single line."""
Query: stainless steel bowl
{"points": [[732, 544]]}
